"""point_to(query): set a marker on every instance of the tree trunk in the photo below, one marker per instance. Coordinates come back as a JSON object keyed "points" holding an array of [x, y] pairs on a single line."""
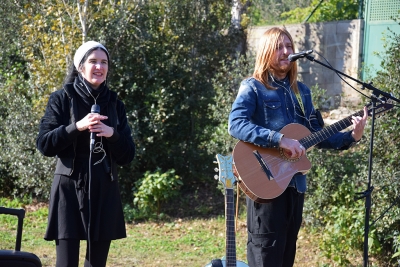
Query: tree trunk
{"points": [[83, 17], [237, 11]]}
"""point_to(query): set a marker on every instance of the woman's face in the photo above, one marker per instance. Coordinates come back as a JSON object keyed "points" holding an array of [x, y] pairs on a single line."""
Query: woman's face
{"points": [[95, 68]]}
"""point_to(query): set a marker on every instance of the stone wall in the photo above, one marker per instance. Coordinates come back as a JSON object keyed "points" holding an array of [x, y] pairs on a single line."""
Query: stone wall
{"points": [[340, 43]]}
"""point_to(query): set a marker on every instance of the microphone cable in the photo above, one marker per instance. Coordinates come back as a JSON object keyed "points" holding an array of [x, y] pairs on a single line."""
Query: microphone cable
{"points": [[90, 208], [98, 148], [95, 109]]}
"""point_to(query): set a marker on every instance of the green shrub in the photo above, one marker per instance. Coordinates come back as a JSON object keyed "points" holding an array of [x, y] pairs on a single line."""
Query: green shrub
{"points": [[343, 231], [154, 189], [337, 176], [23, 170]]}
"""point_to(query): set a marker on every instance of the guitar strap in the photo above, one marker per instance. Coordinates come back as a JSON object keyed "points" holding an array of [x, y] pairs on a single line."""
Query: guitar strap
{"points": [[237, 206], [319, 118], [300, 100]]}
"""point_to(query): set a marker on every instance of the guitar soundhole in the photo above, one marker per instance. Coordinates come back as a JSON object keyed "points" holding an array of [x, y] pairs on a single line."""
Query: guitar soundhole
{"points": [[286, 156]]}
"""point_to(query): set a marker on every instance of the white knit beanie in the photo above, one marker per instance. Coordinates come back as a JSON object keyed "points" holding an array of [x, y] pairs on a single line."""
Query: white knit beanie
{"points": [[82, 50]]}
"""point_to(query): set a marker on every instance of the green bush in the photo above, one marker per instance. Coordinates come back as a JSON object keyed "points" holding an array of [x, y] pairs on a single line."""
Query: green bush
{"points": [[164, 54], [24, 171], [154, 189], [337, 177], [343, 219]]}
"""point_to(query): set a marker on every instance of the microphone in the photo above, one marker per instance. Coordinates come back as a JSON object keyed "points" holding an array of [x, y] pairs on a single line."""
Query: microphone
{"points": [[296, 56], [95, 109]]}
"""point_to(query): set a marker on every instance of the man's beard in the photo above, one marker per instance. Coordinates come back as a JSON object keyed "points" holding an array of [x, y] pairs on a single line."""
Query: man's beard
{"points": [[281, 70]]}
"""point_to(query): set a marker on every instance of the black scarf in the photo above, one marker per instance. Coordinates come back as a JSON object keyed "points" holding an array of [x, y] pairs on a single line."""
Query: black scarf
{"points": [[88, 94]]}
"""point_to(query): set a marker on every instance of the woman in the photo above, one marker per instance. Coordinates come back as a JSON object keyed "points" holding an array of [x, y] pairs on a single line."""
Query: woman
{"points": [[85, 201]]}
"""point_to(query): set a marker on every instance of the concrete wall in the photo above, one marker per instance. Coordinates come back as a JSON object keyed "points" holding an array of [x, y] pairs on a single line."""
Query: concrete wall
{"points": [[340, 42]]}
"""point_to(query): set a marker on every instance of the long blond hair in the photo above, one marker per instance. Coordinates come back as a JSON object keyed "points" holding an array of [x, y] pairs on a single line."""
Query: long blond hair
{"points": [[267, 45]]}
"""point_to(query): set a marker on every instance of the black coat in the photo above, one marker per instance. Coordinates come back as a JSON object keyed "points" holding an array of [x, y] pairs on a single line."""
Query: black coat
{"points": [[58, 136], [58, 133]]}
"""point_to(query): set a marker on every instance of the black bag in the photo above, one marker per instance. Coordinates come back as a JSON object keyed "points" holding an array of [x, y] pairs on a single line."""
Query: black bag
{"points": [[17, 258]]}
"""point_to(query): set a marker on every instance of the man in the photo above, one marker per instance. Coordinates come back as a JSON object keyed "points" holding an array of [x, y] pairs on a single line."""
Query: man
{"points": [[266, 102]]}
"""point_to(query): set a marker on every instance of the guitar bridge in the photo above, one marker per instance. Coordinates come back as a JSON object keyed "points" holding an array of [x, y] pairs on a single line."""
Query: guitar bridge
{"points": [[263, 165]]}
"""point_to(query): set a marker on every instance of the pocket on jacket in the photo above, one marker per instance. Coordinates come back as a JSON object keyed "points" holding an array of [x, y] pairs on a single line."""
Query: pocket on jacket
{"points": [[274, 118], [272, 104]]}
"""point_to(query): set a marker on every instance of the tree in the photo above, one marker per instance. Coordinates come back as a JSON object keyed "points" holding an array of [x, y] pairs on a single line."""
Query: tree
{"points": [[268, 12], [22, 172], [164, 56], [166, 82], [320, 11]]}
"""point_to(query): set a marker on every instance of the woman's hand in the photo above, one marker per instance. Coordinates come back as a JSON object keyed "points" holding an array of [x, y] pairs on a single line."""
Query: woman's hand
{"points": [[101, 129], [92, 122], [292, 147]]}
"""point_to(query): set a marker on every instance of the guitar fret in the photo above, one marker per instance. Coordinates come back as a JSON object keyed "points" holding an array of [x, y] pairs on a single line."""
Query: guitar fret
{"points": [[230, 245], [317, 137], [253, 179], [227, 178]]}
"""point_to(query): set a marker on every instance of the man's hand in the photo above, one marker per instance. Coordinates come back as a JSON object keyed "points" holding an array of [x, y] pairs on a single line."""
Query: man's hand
{"points": [[292, 147], [359, 124]]}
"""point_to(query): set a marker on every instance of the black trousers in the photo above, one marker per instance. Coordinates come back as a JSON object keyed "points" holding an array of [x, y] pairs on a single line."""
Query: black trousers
{"points": [[273, 228], [68, 253]]}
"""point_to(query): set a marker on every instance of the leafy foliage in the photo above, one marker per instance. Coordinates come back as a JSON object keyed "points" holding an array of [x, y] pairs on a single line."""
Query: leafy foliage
{"points": [[386, 164], [23, 170], [49, 38], [268, 12], [320, 11], [226, 85], [165, 58], [156, 188], [337, 177], [164, 55], [272, 12]]}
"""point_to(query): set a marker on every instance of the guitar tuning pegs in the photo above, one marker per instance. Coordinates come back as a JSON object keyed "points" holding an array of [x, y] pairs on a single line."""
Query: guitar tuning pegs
{"points": [[216, 170], [215, 162], [216, 177]]}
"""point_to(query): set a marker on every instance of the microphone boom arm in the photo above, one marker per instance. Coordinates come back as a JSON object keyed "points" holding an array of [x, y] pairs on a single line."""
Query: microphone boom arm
{"points": [[369, 86], [367, 193]]}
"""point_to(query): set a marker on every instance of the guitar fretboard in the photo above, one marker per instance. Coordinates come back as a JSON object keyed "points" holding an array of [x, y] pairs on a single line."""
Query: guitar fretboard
{"points": [[230, 229], [325, 133]]}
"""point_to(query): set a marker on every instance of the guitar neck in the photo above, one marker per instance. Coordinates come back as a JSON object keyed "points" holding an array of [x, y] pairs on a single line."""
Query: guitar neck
{"points": [[230, 228], [325, 133]]}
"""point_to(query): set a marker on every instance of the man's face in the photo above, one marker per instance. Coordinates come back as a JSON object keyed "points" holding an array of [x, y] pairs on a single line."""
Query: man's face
{"points": [[280, 61]]}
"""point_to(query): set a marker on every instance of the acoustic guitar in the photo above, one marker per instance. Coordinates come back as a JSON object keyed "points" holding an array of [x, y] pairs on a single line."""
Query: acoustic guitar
{"points": [[265, 173], [227, 178]]}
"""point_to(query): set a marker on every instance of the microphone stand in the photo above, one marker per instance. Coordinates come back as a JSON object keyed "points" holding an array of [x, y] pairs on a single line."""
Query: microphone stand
{"points": [[367, 193]]}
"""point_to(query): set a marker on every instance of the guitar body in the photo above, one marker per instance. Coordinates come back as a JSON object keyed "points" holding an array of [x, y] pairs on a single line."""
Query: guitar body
{"points": [[238, 264], [265, 173], [260, 185]]}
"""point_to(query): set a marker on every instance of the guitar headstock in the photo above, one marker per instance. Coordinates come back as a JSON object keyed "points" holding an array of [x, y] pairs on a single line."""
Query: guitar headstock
{"points": [[384, 104], [225, 168]]}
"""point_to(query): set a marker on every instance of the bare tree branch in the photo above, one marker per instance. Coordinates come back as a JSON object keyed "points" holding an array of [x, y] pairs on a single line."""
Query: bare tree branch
{"points": [[83, 17]]}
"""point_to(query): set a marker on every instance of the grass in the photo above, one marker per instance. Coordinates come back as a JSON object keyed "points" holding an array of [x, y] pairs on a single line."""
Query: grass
{"points": [[173, 242]]}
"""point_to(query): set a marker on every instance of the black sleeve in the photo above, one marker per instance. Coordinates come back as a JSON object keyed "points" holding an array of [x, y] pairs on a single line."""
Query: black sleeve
{"points": [[55, 132]]}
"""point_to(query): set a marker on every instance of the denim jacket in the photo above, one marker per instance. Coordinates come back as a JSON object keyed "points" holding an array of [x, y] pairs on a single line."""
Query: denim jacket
{"points": [[259, 113]]}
